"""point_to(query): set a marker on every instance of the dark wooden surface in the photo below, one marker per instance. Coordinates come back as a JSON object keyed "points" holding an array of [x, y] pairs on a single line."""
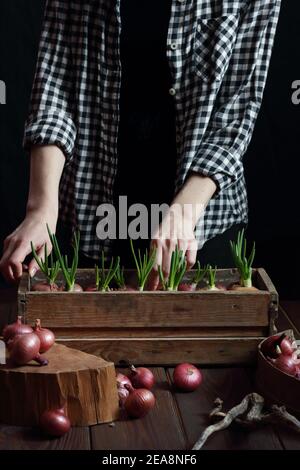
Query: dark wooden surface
{"points": [[178, 418]]}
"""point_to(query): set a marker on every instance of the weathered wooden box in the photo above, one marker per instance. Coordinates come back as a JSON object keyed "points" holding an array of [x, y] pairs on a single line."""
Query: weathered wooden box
{"points": [[158, 327]]}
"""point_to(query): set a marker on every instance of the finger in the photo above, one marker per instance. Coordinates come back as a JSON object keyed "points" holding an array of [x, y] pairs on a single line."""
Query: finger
{"points": [[22, 249], [191, 254], [183, 245]]}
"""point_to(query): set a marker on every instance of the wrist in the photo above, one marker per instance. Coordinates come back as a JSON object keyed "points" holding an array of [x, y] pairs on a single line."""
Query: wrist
{"points": [[42, 212]]}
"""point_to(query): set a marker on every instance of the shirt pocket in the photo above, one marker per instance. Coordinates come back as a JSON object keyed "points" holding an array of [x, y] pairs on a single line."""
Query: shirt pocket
{"points": [[213, 46]]}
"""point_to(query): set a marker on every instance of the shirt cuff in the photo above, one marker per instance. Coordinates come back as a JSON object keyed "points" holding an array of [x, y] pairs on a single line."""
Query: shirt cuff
{"points": [[51, 127], [219, 164]]}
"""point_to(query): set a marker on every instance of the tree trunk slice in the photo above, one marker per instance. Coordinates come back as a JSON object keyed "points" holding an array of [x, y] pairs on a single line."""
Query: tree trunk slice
{"points": [[83, 383]]}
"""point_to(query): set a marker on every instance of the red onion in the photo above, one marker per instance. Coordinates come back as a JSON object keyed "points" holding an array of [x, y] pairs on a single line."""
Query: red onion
{"points": [[123, 379], [123, 392], [55, 423], [25, 348], [141, 377], [44, 287], [286, 346], [124, 388], [187, 377], [187, 287], [297, 373], [77, 288], [91, 289], [285, 364], [45, 336], [275, 345], [17, 328], [139, 403]]}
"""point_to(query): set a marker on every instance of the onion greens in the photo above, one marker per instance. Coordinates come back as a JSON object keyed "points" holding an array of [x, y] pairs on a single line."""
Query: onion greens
{"points": [[48, 267], [68, 271], [211, 277], [120, 278], [177, 271], [242, 263], [200, 274], [105, 276], [144, 265]]}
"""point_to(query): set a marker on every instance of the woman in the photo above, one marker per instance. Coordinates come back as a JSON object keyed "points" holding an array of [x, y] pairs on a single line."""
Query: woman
{"points": [[149, 99]]}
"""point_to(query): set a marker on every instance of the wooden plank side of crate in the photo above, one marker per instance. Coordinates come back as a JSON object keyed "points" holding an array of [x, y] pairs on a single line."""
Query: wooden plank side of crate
{"points": [[149, 332], [170, 351], [158, 309]]}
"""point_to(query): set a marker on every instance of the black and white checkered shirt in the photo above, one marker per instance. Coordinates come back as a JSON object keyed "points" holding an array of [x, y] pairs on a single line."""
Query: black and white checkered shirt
{"points": [[218, 52]]}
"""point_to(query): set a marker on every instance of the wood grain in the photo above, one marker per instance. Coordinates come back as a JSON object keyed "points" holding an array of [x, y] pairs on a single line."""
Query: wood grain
{"points": [[84, 384], [25, 438], [231, 385], [161, 429], [170, 351], [158, 309]]}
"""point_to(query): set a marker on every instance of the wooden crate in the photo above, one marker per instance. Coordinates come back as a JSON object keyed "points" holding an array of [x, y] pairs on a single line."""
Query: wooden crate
{"points": [[158, 327]]}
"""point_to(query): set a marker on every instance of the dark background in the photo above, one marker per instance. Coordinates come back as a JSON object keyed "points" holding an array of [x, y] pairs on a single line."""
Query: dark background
{"points": [[271, 163]]}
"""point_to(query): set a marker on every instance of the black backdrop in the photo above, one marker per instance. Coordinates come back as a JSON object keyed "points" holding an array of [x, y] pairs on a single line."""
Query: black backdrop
{"points": [[271, 163]]}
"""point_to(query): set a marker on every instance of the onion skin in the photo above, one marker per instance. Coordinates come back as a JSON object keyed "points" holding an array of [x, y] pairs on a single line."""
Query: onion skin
{"points": [[45, 287], [15, 329], [141, 377], [91, 289], [187, 377], [139, 403], [184, 287], [55, 423], [239, 288], [76, 288], [24, 349], [45, 336], [124, 386], [123, 379], [275, 345], [285, 364]]}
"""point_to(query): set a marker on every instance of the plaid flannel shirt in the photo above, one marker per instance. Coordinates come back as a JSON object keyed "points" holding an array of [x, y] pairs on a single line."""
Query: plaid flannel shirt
{"points": [[218, 52]]}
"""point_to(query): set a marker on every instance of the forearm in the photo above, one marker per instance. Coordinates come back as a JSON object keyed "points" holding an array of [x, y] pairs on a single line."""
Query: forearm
{"points": [[195, 195], [46, 167]]}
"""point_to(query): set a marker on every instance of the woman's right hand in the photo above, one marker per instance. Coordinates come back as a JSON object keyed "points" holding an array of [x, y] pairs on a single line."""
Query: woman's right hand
{"points": [[17, 246]]}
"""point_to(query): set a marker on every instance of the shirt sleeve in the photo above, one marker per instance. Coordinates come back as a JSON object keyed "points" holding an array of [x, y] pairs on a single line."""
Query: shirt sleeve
{"points": [[240, 96], [50, 118]]}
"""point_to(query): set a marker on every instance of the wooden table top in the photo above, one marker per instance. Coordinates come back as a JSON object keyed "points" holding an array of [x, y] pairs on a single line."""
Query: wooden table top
{"points": [[178, 418]]}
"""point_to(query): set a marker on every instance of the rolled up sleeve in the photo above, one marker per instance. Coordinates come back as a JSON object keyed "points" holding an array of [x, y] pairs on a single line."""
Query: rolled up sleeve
{"points": [[240, 96], [50, 119]]}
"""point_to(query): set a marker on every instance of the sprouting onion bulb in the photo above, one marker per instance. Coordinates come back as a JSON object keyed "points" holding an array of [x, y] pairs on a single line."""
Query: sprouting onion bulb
{"points": [[105, 276], [49, 268], [144, 265], [198, 277], [177, 271], [211, 278], [242, 262], [69, 272]]}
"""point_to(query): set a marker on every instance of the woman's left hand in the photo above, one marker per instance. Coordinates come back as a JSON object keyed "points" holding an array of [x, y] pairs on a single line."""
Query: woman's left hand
{"points": [[178, 225], [176, 230]]}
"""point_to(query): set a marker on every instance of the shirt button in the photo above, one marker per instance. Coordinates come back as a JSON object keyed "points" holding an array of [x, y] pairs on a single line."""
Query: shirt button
{"points": [[173, 46], [172, 91]]}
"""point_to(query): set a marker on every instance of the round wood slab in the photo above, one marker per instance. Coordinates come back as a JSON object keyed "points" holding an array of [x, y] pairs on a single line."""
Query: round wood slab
{"points": [[83, 383]]}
